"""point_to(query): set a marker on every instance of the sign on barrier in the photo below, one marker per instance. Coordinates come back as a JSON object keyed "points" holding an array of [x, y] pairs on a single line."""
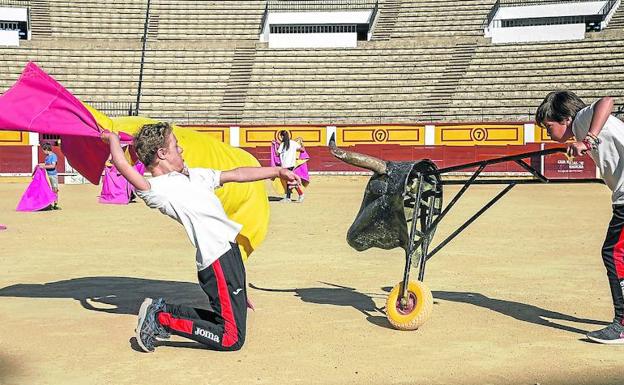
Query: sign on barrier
{"points": [[263, 136], [479, 134], [220, 133], [387, 134]]}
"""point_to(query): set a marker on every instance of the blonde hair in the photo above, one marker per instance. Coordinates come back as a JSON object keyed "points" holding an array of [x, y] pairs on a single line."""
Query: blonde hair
{"points": [[149, 139]]}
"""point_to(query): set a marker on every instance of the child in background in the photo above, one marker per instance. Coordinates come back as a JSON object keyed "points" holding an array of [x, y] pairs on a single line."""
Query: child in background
{"points": [[50, 166], [565, 115], [187, 195], [288, 152]]}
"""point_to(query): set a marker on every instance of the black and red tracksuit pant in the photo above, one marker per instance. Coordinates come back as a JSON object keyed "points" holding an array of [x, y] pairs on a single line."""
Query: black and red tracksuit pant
{"points": [[613, 258], [223, 327]]}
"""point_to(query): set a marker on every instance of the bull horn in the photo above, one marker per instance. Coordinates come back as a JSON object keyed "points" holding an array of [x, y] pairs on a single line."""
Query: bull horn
{"points": [[356, 159]]}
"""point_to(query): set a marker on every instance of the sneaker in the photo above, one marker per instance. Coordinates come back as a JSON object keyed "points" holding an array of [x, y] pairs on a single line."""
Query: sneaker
{"points": [[300, 198], [56, 207], [148, 328], [612, 334], [161, 332], [286, 200]]}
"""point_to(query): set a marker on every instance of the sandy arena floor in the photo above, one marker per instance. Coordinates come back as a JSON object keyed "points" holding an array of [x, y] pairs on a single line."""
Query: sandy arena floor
{"points": [[514, 295]]}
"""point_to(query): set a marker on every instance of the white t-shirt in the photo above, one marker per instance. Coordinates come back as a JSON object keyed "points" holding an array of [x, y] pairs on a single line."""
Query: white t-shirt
{"points": [[192, 202], [608, 155], [288, 157]]}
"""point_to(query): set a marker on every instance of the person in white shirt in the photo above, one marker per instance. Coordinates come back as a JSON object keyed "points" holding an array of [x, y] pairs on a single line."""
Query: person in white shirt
{"points": [[601, 135], [288, 151], [187, 196]]}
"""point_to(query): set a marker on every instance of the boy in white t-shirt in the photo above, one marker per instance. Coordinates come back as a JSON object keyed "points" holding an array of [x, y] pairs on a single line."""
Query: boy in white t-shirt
{"points": [[597, 132], [187, 195]]}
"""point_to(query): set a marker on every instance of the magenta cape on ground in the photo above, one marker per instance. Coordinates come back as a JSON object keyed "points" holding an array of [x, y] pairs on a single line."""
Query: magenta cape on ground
{"points": [[115, 188], [38, 194], [38, 103]]}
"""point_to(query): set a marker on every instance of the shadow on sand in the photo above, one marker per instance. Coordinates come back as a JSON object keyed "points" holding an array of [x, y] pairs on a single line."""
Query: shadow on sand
{"points": [[123, 295]]}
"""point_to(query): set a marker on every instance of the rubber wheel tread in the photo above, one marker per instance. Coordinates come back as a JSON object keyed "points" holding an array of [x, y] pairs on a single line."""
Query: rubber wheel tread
{"points": [[419, 315]]}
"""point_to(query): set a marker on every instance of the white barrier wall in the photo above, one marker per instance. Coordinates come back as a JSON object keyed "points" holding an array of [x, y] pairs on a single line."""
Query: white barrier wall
{"points": [[313, 40], [10, 38], [13, 14], [538, 33], [569, 8]]}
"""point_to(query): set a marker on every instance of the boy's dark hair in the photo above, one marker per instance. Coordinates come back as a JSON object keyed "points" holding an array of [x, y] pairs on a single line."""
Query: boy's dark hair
{"points": [[149, 139], [46, 147], [557, 106]]}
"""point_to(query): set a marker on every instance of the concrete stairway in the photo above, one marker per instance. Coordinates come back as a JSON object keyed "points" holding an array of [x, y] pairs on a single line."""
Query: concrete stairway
{"points": [[40, 19], [233, 104], [445, 87], [386, 20]]}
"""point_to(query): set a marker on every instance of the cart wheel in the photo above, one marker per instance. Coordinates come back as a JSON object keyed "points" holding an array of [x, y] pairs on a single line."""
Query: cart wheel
{"points": [[417, 311]]}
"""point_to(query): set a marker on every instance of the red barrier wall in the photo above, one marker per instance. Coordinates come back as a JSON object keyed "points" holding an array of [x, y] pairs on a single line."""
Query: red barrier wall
{"points": [[15, 159], [557, 166]]}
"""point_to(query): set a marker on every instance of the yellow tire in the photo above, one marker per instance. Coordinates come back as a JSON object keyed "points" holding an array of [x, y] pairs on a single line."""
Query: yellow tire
{"points": [[417, 310]]}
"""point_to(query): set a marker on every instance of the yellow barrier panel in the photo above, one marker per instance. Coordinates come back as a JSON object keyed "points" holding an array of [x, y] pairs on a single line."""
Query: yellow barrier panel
{"points": [[481, 134], [402, 135], [13, 138], [262, 136], [222, 134]]}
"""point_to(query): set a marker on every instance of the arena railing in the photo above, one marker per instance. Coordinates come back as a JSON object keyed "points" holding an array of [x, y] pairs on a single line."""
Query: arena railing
{"points": [[318, 5], [264, 16], [373, 15], [491, 14], [15, 3], [142, 67], [607, 7], [114, 109], [520, 3]]}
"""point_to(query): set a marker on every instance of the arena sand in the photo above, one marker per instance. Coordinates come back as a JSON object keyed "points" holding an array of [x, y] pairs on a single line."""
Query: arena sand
{"points": [[513, 294]]}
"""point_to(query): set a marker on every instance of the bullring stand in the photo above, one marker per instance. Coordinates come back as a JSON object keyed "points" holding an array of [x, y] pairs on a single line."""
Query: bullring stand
{"points": [[409, 304]]}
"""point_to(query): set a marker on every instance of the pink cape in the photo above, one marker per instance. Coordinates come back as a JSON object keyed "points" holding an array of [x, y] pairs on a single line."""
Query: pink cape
{"points": [[115, 188], [38, 194], [301, 170], [38, 103]]}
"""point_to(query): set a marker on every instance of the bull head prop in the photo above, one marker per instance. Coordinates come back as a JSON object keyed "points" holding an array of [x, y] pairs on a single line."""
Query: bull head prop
{"points": [[389, 200]]}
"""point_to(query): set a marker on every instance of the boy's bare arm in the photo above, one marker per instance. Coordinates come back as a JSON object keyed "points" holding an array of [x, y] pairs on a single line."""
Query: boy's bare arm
{"points": [[120, 161], [250, 174], [602, 111]]}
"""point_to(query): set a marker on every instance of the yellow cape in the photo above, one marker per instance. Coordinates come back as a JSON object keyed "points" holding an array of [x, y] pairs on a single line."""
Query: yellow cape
{"points": [[245, 203]]}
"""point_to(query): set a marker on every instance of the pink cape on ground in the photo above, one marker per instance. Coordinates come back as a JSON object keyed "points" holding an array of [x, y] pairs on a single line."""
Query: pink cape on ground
{"points": [[301, 170], [38, 194], [115, 188], [38, 103]]}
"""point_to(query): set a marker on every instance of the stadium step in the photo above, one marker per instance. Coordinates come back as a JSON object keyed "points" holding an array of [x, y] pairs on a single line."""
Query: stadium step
{"points": [[40, 18], [386, 19], [451, 77], [233, 102], [617, 21], [152, 27]]}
